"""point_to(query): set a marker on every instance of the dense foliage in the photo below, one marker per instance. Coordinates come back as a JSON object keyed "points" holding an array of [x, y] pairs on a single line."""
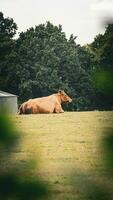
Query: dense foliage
{"points": [[42, 60], [102, 48], [7, 44]]}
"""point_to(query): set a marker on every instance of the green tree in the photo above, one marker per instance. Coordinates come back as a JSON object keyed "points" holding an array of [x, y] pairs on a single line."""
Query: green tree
{"points": [[48, 61], [102, 48], [42, 60], [7, 53]]}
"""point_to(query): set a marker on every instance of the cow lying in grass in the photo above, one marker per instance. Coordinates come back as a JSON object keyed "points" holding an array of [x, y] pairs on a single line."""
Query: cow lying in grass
{"points": [[49, 104]]}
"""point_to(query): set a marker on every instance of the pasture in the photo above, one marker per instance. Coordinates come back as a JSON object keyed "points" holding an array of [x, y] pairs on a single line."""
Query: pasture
{"points": [[67, 151]]}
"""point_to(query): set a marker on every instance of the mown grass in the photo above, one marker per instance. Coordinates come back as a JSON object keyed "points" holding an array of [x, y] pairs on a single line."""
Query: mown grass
{"points": [[68, 152]]}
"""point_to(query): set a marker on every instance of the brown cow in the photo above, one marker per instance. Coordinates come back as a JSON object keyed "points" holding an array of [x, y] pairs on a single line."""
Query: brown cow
{"points": [[49, 104]]}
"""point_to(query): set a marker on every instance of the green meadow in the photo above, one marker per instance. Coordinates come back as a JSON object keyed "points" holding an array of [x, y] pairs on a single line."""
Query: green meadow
{"points": [[67, 152]]}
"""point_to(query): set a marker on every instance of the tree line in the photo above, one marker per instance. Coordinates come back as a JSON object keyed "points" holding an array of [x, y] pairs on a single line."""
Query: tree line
{"points": [[42, 60]]}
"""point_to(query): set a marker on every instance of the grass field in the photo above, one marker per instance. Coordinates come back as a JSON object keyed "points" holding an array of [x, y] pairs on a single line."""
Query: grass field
{"points": [[68, 152]]}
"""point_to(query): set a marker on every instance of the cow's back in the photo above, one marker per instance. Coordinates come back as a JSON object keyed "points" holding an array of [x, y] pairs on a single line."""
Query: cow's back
{"points": [[43, 104]]}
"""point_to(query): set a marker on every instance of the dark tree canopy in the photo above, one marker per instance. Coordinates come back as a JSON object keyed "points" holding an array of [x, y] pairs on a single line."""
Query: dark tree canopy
{"points": [[7, 52], [102, 48]]}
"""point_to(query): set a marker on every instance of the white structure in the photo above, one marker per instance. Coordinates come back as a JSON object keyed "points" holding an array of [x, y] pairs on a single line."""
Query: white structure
{"points": [[8, 101]]}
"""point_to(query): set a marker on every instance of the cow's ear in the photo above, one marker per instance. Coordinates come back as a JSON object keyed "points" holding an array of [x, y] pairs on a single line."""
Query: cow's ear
{"points": [[60, 91]]}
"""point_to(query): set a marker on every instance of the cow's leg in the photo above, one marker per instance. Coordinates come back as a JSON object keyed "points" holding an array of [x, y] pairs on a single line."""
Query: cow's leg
{"points": [[22, 109], [35, 109], [58, 109]]}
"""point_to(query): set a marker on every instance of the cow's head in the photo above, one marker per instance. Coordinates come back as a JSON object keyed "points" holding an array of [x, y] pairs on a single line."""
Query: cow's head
{"points": [[64, 97]]}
